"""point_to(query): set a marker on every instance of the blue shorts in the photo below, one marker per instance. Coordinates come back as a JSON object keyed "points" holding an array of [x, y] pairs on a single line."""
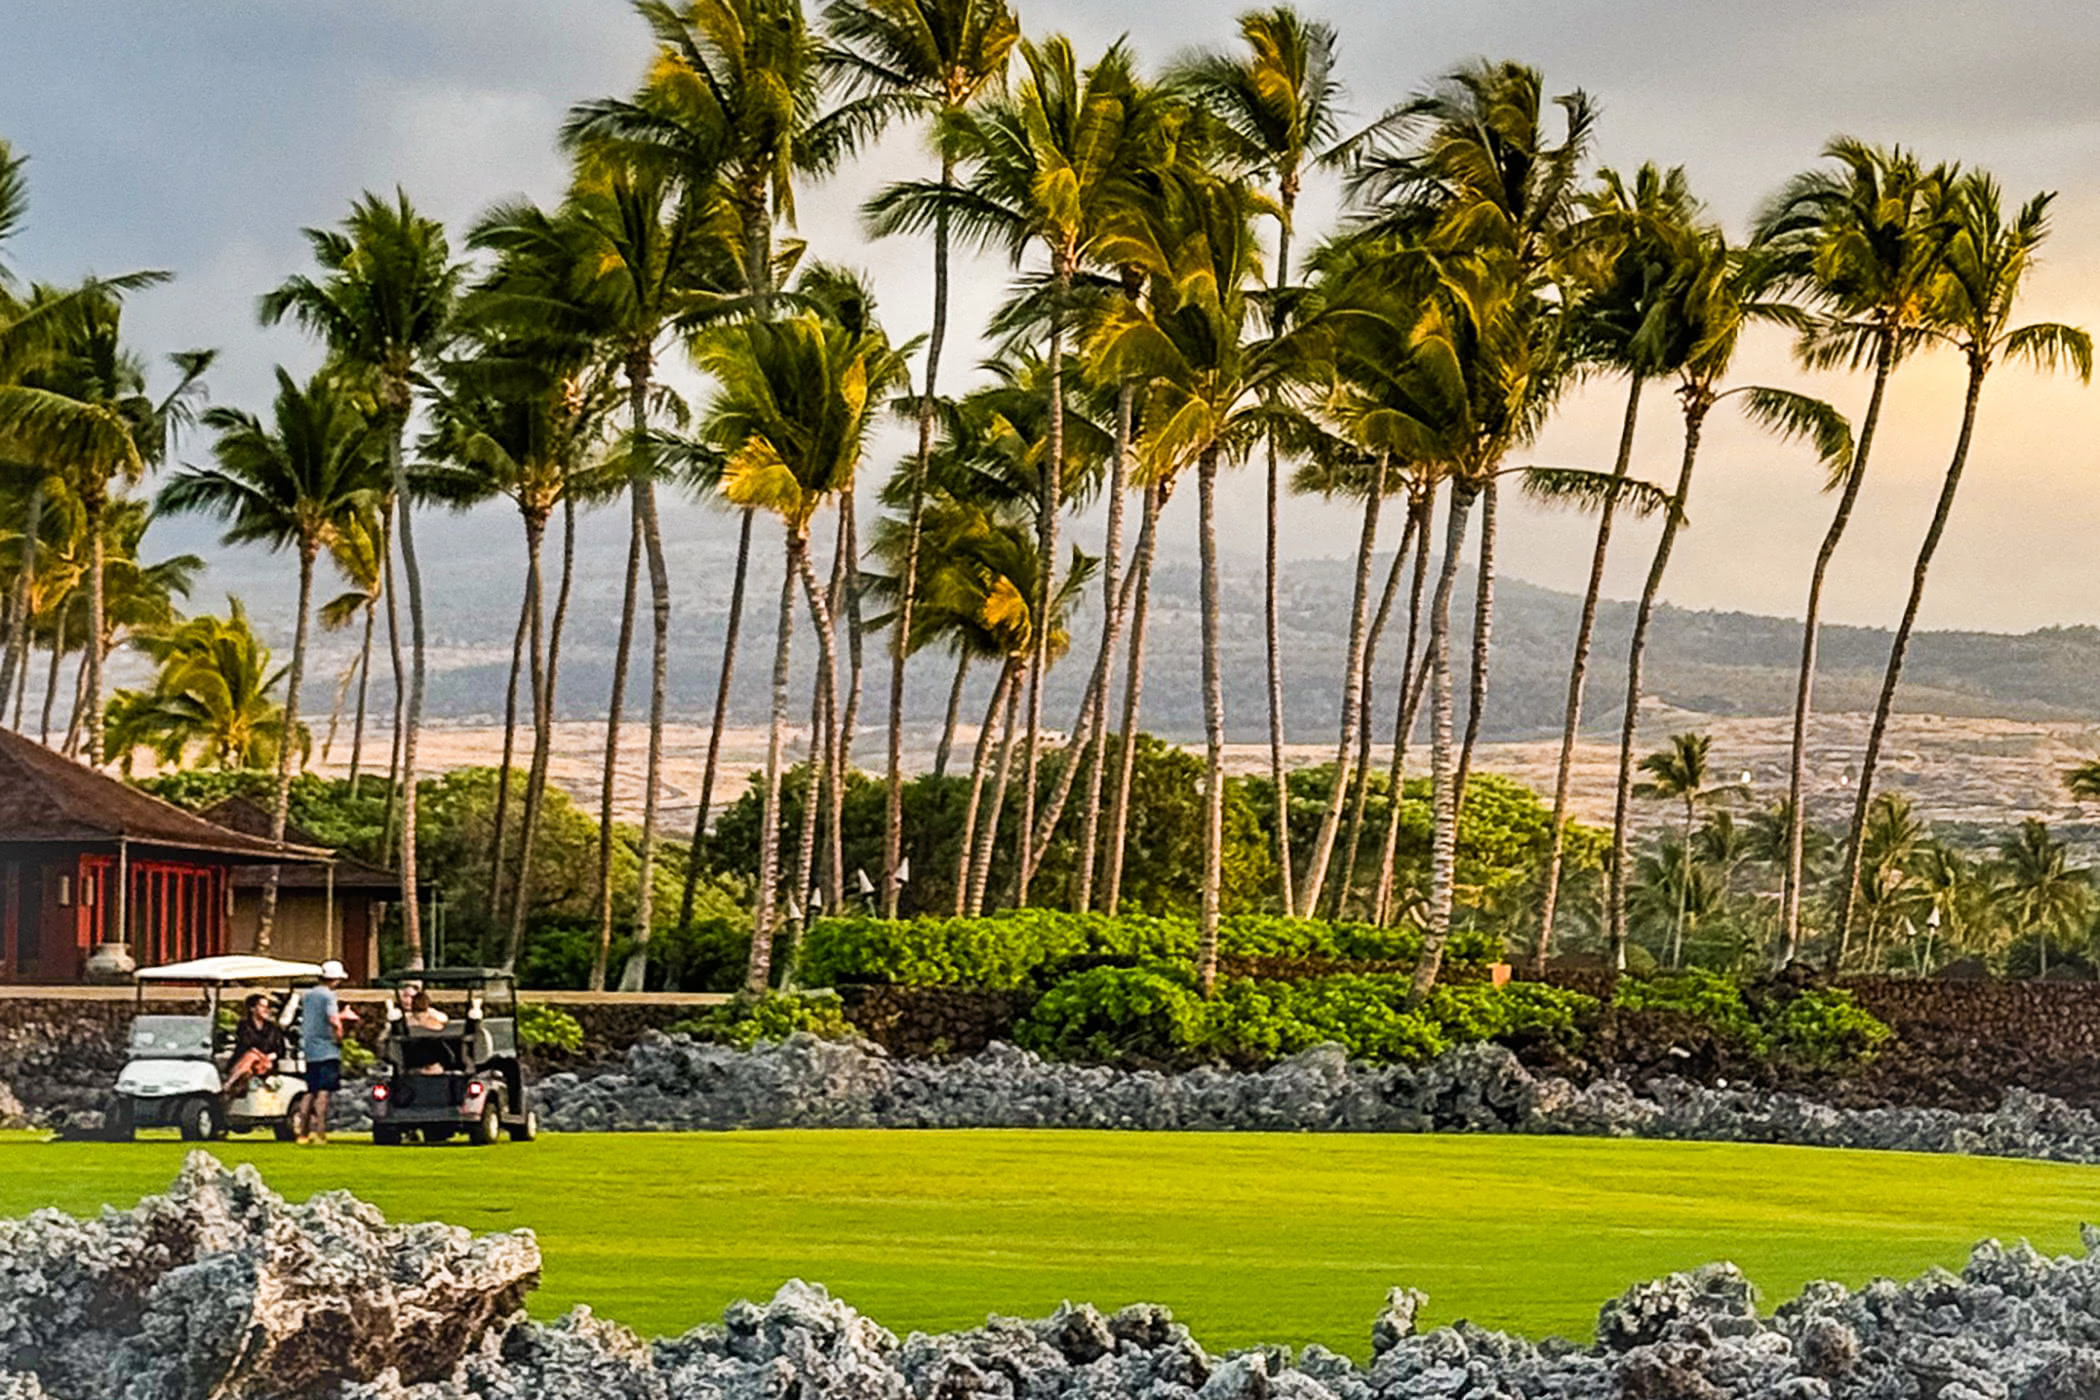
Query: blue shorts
{"points": [[324, 1076]]}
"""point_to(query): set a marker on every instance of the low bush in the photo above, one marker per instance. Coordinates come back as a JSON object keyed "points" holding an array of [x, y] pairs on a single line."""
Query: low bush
{"points": [[1710, 998], [543, 1027], [1826, 1028], [776, 1016], [1822, 1028], [1022, 948], [1155, 1014]]}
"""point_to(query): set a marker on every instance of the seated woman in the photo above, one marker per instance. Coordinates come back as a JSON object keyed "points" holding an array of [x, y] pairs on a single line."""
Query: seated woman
{"points": [[257, 1042], [425, 1017]]}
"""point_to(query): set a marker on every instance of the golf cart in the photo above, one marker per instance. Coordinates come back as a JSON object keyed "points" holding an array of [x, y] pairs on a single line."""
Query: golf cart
{"points": [[453, 1069], [174, 1073]]}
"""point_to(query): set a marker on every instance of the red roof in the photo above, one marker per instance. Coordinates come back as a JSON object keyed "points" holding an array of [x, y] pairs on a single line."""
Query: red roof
{"points": [[46, 797]]}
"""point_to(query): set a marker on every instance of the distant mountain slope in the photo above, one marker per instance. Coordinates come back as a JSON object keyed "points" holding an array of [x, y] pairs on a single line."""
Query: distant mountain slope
{"points": [[1721, 663]]}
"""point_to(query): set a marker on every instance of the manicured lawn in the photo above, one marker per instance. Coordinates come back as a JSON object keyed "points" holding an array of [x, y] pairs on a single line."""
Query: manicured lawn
{"points": [[1247, 1237]]}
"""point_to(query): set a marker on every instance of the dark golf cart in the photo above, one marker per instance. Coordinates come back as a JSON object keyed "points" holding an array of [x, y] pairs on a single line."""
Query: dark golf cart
{"points": [[457, 1070]]}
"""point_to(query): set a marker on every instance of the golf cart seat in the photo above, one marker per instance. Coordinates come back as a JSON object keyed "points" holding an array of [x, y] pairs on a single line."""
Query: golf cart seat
{"points": [[424, 1049]]}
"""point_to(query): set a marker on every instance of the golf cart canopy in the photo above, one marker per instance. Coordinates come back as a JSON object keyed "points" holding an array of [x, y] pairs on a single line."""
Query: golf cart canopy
{"points": [[238, 967]]}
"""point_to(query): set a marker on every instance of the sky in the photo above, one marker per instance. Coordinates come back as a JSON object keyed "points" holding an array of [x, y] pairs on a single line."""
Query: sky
{"points": [[201, 137]]}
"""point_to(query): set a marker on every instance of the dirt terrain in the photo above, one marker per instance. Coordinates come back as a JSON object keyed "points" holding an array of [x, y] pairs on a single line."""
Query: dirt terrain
{"points": [[1957, 770]]}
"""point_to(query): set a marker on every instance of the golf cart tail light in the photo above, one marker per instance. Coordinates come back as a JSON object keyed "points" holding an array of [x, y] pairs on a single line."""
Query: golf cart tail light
{"points": [[379, 1092], [475, 1088]]}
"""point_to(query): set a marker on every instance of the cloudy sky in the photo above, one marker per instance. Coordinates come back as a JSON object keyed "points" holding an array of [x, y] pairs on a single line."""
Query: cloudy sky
{"points": [[200, 137]]}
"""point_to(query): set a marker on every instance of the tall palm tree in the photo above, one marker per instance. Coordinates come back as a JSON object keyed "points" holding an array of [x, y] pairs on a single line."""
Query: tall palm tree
{"points": [[1050, 165], [1714, 294], [790, 413], [1211, 378], [1644, 226], [297, 482], [1276, 107], [1984, 264], [932, 60], [212, 699], [1865, 243], [1679, 774], [383, 304]]}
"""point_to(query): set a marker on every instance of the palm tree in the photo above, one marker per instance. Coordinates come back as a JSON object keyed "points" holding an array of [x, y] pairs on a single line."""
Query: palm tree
{"points": [[1644, 225], [2041, 893], [1051, 164], [1866, 244], [357, 556], [1715, 292], [211, 700], [1276, 107], [1210, 382], [1678, 774], [930, 59], [297, 482], [383, 304], [1984, 264], [791, 411]]}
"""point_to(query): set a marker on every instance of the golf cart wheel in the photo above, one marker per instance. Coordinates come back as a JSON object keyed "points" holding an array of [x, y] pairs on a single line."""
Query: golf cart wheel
{"points": [[526, 1128], [196, 1120], [385, 1135], [487, 1130], [287, 1127], [117, 1123]]}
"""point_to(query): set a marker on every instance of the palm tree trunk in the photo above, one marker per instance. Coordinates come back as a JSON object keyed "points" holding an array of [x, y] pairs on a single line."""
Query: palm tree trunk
{"points": [[805, 876], [908, 579], [1696, 404], [393, 641], [1578, 675], [1133, 695], [758, 972], [1046, 527], [1811, 634], [364, 691], [849, 719], [615, 708], [1878, 731], [1366, 731], [510, 738], [544, 684], [535, 641], [14, 660], [644, 488], [281, 806], [988, 843], [1483, 624], [1213, 725], [1414, 672], [412, 720], [58, 651], [1352, 699], [965, 858], [1114, 606], [824, 607], [96, 604], [1684, 888], [955, 699], [1443, 777], [76, 715], [1286, 888], [695, 856]]}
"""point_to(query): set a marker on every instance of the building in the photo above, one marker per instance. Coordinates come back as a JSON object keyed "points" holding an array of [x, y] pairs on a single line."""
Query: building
{"points": [[96, 875], [323, 911]]}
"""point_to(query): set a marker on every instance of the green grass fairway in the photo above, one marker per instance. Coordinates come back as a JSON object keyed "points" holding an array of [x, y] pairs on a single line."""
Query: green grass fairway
{"points": [[1280, 1238]]}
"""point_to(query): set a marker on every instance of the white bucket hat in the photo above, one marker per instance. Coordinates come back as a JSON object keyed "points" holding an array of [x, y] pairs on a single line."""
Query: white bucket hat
{"points": [[333, 971]]}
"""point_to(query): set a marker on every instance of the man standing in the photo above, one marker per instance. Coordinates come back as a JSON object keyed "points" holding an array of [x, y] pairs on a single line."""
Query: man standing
{"points": [[322, 1024]]}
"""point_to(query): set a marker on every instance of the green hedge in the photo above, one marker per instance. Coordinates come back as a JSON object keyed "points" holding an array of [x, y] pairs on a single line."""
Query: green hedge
{"points": [[775, 1016], [1819, 1026], [1154, 1013], [1011, 950]]}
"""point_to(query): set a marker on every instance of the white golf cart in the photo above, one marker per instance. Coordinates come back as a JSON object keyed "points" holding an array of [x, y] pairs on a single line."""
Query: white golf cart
{"points": [[174, 1075]]}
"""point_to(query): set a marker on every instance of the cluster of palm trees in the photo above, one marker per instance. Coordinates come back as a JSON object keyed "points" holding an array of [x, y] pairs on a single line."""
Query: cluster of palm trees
{"points": [[1158, 328], [1708, 891]]}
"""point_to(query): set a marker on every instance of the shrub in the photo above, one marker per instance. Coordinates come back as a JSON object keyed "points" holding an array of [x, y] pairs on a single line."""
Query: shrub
{"points": [[1711, 998], [357, 1056], [1019, 948], [1153, 1013], [1827, 1028], [775, 1016], [544, 1027]]}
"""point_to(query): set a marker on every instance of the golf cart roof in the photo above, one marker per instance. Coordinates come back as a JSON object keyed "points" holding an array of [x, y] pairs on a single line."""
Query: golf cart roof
{"points": [[237, 967], [448, 977]]}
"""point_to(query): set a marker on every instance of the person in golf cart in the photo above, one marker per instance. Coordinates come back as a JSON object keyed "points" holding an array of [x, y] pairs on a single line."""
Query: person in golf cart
{"points": [[444, 1075], [258, 1042]]}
